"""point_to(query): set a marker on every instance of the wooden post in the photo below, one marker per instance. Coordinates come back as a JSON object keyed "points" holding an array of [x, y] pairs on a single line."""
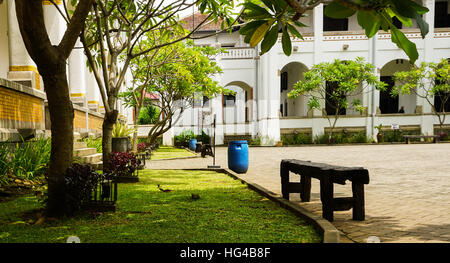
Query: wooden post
{"points": [[326, 196], [305, 194], [358, 201], [284, 173]]}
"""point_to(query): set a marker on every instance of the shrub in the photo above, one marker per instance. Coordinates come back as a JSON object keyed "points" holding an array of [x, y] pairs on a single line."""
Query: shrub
{"points": [[26, 160], [148, 115], [205, 138], [121, 130], [255, 141], [122, 163], [183, 138], [296, 139], [80, 182], [94, 143], [141, 147]]}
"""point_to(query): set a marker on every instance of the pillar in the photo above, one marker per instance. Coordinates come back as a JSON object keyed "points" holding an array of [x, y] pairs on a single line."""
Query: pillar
{"points": [[22, 68]]}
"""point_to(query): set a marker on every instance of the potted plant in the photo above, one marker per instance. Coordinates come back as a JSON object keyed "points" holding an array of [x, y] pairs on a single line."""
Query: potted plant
{"points": [[380, 133], [124, 166], [121, 137]]}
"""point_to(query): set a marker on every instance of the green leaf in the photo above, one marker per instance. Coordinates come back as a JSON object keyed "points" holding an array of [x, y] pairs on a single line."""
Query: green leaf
{"points": [[335, 10], [269, 39], [369, 21], [251, 27], [294, 31], [286, 42], [269, 4], [424, 29], [404, 43], [259, 34], [256, 11]]}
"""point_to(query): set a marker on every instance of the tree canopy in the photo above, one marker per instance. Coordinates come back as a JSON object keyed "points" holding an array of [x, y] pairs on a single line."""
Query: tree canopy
{"points": [[265, 18]]}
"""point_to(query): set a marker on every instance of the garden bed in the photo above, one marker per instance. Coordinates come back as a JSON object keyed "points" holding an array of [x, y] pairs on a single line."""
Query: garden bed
{"points": [[223, 210]]}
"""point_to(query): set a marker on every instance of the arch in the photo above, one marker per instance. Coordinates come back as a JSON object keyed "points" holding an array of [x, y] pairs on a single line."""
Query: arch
{"points": [[237, 108], [387, 103], [290, 74]]}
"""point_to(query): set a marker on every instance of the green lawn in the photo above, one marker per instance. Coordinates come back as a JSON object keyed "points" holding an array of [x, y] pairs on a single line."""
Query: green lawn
{"points": [[166, 152], [227, 211]]}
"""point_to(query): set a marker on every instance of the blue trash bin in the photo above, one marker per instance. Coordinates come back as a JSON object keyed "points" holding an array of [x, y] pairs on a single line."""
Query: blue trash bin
{"points": [[192, 144], [238, 156]]}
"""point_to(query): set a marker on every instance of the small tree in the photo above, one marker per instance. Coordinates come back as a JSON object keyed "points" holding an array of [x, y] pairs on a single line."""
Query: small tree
{"points": [[429, 81], [333, 83]]}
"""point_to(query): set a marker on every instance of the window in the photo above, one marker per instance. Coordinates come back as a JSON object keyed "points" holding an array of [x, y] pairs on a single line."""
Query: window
{"points": [[229, 100], [330, 99], [388, 104], [332, 24], [441, 14]]}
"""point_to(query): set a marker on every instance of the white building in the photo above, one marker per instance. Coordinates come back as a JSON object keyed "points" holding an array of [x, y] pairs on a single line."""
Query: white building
{"points": [[261, 107], [23, 107]]}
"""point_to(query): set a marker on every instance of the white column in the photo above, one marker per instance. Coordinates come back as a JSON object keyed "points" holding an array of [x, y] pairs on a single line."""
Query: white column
{"points": [[77, 76], [317, 127], [95, 102], [427, 123], [21, 66]]}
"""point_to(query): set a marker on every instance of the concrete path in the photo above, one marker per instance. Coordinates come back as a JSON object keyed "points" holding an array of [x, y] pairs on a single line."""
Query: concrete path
{"points": [[407, 199]]}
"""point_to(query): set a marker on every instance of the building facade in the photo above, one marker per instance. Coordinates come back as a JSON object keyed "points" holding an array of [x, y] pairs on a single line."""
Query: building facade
{"points": [[23, 106], [260, 106]]}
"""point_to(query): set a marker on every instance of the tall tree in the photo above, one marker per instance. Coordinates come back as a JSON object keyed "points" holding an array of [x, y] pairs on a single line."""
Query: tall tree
{"points": [[50, 59], [430, 81], [182, 77], [116, 27], [335, 83]]}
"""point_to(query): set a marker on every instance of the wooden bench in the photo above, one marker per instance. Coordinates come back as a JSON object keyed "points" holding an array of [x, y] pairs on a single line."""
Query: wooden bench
{"points": [[409, 137], [328, 175]]}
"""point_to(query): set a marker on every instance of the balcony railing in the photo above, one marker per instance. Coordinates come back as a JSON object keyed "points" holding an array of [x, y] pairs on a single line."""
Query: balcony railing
{"points": [[239, 53]]}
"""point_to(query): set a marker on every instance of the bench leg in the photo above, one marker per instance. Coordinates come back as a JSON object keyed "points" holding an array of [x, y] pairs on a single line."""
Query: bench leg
{"points": [[358, 201], [326, 196], [284, 173], [305, 194]]}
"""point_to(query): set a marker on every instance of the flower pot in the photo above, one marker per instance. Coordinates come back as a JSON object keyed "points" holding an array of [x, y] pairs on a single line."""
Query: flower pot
{"points": [[379, 137], [120, 144]]}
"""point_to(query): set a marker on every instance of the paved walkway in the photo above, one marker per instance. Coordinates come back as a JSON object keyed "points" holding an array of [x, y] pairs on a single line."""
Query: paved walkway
{"points": [[407, 199]]}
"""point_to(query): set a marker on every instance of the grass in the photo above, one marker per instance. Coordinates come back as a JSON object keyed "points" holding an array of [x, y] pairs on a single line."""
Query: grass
{"points": [[166, 152], [226, 212]]}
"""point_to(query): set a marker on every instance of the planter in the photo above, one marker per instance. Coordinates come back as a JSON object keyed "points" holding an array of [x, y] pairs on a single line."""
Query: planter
{"points": [[379, 137], [120, 144]]}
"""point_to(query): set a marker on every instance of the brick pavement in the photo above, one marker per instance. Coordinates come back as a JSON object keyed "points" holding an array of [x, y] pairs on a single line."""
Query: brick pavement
{"points": [[407, 199]]}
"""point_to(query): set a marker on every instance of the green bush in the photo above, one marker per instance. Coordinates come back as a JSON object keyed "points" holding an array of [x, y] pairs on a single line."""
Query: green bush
{"points": [[26, 160], [148, 115], [183, 138], [296, 139], [342, 137], [94, 143], [255, 141]]}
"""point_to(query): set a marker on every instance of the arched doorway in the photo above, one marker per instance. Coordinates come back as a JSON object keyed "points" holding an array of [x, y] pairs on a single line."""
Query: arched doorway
{"points": [[290, 74], [389, 104], [237, 108]]}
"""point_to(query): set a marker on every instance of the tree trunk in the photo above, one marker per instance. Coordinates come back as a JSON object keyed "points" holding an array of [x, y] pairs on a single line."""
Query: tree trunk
{"points": [[107, 127], [135, 122], [61, 116]]}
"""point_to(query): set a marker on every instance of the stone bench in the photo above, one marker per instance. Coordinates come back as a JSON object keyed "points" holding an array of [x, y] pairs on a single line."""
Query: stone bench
{"points": [[409, 137], [328, 176]]}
